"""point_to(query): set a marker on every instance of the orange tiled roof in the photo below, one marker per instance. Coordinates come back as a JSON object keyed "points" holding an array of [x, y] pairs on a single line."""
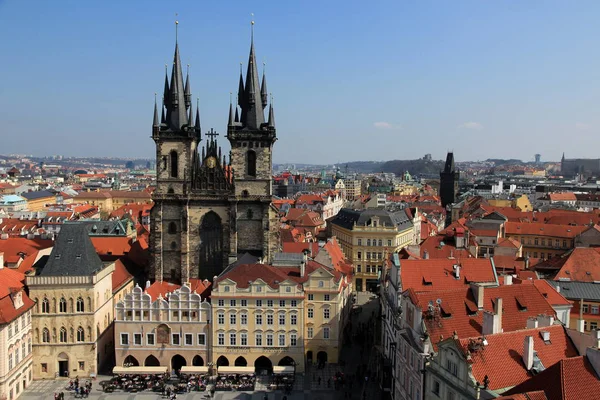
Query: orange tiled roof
{"points": [[501, 358], [338, 260], [550, 293], [12, 246], [299, 247], [537, 395], [439, 274], [582, 264], [112, 246], [442, 246], [567, 196], [539, 229], [509, 242], [120, 276], [160, 289]]}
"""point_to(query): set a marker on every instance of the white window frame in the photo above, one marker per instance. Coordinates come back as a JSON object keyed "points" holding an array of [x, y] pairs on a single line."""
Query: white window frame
{"points": [[203, 341], [140, 336], [148, 336], [121, 339]]}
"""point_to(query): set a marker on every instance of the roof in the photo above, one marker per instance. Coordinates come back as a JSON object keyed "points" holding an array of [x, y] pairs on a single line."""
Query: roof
{"points": [[73, 254], [111, 246], [501, 359], [578, 290], [333, 253], [120, 276], [548, 290], [567, 196], [540, 229], [11, 282], [460, 313], [537, 395], [347, 218], [13, 247], [582, 264], [438, 274], [569, 379], [299, 247], [508, 242], [40, 194], [160, 289], [11, 198]]}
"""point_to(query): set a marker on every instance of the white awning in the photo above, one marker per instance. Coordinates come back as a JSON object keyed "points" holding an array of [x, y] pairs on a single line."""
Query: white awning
{"points": [[235, 370], [140, 370], [191, 369], [283, 370]]}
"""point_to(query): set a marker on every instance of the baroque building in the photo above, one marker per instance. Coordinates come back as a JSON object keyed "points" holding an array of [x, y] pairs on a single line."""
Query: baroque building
{"points": [[209, 209]]}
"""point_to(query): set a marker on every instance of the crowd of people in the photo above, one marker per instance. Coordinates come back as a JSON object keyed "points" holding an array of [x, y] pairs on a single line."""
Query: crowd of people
{"points": [[78, 390], [241, 382]]}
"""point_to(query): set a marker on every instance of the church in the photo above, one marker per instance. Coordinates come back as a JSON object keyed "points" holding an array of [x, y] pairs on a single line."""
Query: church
{"points": [[209, 209]]}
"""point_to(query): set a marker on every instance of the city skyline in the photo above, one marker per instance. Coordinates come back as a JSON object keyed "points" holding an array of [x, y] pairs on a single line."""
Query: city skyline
{"points": [[449, 75]]}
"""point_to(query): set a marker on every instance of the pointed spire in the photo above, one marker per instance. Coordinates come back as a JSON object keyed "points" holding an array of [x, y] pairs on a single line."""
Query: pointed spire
{"points": [[176, 110], [230, 120], [167, 90], [188, 93], [271, 115], [252, 112], [240, 96], [163, 117], [237, 117], [155, 123], [197, 126], [263, 88], [191, 116]]}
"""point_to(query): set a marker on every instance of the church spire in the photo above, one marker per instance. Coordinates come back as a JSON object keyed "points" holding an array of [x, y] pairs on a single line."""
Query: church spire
{"points": [[252, 111], [240, 99], [191, 116], [197, 126], [263, 89], [155, 123], [167, 90], [176, 109], [271, 123], [188, 93], [230, 120]]}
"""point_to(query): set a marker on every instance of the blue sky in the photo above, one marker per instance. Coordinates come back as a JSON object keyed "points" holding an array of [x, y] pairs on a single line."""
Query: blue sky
{"points": [[352, 80]]}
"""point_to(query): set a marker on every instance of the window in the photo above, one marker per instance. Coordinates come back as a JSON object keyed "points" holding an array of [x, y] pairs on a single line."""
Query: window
{"points": [[294, 303], [232, 339], [270, 303], [368, 255], [536, 241], [244, 303], [125, 339], [311, 313], [293, 339], [452, 367], [232, 319], [435, 388], [380, 243], [293, 319], [137, 339], [586, 308], [358, 268], [44, 367], [593, 325], [258, 319], [594, 309], [325, 333], [389, 242], [10, 331], [359, 242], [258, 288], [232, 302], [150, 339], [281, 340], [281, 319], [368, 244], [251, 163], [63, 335], [81, 365], [321, 284], [270, 319], [10, 361], [326, 313], [258, 339], [311, 297], [244, 339], [175, 339], [172, 228], [201, 339], [359, 255], [564, 244], [220, 318], [244, 319], [281, 303], [269, 339], [174, 164], [309, 332], [258, 303], [46, 335], [80, 305], [221, 303], [326, 297], [189, 339], [543, 241], [450, 395], [557, 243], [62, 305], [221, 339]]}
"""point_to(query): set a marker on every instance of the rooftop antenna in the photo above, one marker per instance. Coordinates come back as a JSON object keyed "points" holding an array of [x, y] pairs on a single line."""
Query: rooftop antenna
{"points": [[252, 27], [176, 26]]}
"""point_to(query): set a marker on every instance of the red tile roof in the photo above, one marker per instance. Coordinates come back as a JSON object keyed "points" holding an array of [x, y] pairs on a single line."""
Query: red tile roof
{"points": [[567, 196], [537, 395], [484, 232], [201, 287], [439, 274], [539, 229], [460, 312], [337, 257], [442, 246], [582, 264], [11, 247], [160, 289], [509, 242], [299, 247], [550, 293], [120, 276], [11, 282], [501, 359], [569, 379], [112, 246]]}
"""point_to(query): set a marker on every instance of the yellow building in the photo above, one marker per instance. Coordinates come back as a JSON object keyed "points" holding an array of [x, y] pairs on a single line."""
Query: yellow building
{"points": [[366, 237], [541, 240], [39, 200], [72, 319], [278, 315], [111, 200]]}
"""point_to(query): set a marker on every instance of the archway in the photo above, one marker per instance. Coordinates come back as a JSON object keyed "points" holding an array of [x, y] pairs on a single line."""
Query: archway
{"points": [[222, 362], [151, 361], [309, 356], [63, 364], [211, 245], [262, 363], [198, 361], [241, 362], [131, 361], [286, 361], [322, 357], [177, 362]]}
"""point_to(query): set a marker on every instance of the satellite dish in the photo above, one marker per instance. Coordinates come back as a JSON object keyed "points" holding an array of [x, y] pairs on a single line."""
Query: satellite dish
{"points": [[438, 301], [430, 302]]}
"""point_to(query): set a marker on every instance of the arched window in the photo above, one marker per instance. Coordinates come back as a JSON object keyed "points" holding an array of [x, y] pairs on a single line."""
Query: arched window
{"points": [[45, 306], [63, 305], [368, 242], [245, 193], [172, 228], [80, 305], [63, 335], [251, 160], [80, 334], [173, 246], [171, 190], [174, 164], [71, 309], [380, 243], [45, 335]]}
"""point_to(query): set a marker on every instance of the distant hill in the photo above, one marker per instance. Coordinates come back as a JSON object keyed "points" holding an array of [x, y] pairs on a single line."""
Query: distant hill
{"points": [[414, 167]]}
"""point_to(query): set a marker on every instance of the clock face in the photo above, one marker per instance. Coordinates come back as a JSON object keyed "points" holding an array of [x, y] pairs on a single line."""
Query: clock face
{"points": [[211, 162]]}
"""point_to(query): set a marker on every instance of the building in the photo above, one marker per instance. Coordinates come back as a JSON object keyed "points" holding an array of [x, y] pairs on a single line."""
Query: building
{"points": [[72, 319], [12, 203], [574, 166], [39, 200], [449, 178], [353, 188], [163, 325], [208, 210], [543, 240], [280, 314], [367, 236], [15, 334]]}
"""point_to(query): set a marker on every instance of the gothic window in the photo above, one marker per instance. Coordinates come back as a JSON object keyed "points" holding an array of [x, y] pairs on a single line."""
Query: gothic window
{"points": [[174, 164], [251, 160], [211, 243], [173, 246], [80, 306], [45, 306], [170, 191], [245, 193], [63, 335], [249, 213], [80, 334], [45, 335], [172, 228], [63, 305]]}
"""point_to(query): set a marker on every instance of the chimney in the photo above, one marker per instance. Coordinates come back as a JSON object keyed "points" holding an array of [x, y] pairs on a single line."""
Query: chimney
{"points": [[526, 262], [457, 271], [425, 255], [558, 288], [147, 284], [498, 314], [477, 294], [546, 320], [508, 280], [489, 320], [580, 325], [532, 322], [528, 352], [1, 260]]}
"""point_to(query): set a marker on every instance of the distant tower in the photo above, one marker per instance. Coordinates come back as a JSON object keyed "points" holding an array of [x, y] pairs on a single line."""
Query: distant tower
{"points": [[449, 181], [538, 158], [562, 164]]}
